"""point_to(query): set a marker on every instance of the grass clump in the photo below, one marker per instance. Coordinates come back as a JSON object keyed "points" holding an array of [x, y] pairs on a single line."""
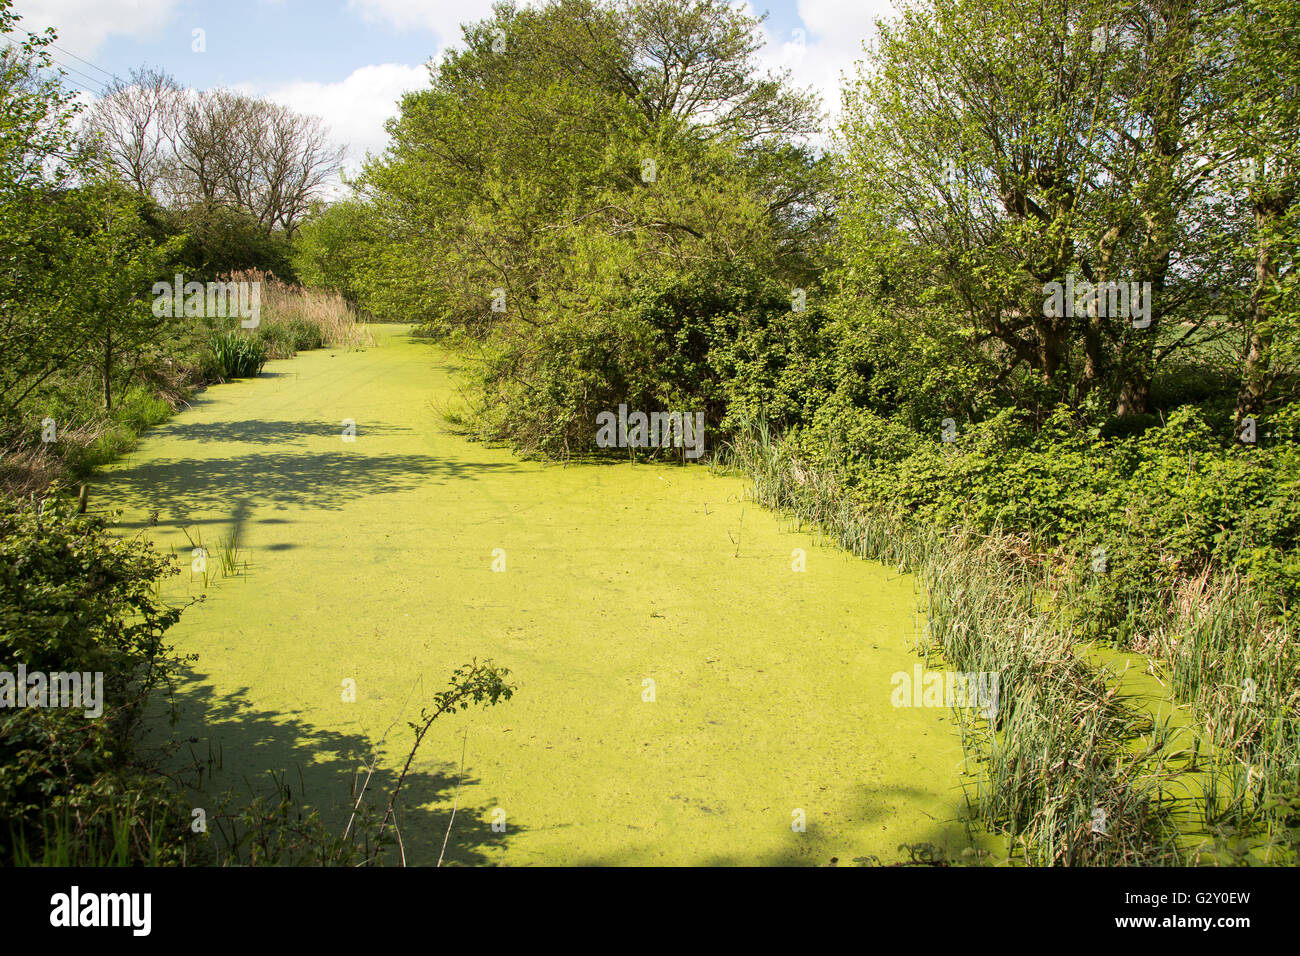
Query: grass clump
{"points": [[235, 355]]}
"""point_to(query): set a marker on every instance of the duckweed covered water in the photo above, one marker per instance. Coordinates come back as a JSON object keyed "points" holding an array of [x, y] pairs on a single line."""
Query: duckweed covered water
{"points": [[372, 561], [1195, 779]]}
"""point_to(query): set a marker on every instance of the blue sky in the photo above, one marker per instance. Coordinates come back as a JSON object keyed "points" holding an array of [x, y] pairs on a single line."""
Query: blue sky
{"points": [[349, 60]]}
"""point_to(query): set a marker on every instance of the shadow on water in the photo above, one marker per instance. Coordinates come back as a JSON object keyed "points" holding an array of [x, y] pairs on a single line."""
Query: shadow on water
{"points": [[243, 749], [264, 432], [212, 490], [941, 843]]}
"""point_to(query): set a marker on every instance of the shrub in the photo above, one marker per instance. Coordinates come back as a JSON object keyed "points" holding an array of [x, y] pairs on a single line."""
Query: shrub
{"points": [[306, 335], [278, 340], [75, 598]]}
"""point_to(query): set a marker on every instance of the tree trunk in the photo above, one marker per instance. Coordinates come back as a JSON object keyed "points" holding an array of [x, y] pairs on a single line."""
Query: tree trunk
{"points": [[1255, 377], [1051, 350], [1092, 363], [1134, 394]]}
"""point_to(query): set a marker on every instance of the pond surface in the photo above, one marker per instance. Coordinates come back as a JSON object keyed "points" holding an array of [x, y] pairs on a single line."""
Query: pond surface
{"points": [[372, 561]]}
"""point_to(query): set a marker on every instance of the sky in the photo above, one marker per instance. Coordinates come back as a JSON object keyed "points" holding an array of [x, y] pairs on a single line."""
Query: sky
{"points": [[348, 61]]}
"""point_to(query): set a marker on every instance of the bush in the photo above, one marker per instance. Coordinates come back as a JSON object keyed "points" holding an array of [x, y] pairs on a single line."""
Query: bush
{"points": [[278, 340], [73, 598], [284, 339], [720, 338], [306, 336], [221, 239], [1176, 500]]}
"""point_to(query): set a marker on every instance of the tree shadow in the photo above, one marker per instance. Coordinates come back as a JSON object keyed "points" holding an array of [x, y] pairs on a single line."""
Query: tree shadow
{"points": [[266, 431], [818, 845], [222, 743], [182, 490]]}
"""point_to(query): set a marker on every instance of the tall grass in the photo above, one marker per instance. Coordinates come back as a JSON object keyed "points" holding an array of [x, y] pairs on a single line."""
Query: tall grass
{"points": [[295, 318], [236, 354], [113, 835], [229, 556], [1068, 769], [1241, 669]]}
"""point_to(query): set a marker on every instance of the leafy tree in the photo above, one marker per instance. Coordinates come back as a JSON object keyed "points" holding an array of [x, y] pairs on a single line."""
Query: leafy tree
{"points": [[333, 249], [38, 157], [110, 270], [1256, 134], [220, 239], [995, 147], [570, 158]]}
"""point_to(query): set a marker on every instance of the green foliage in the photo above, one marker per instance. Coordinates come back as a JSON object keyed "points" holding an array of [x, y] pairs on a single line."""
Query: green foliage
{"points": [[616, 211], [39, 334], [1165, 504], [73, 597], [334, 249], [235, 354], [220, 239], [305, 336], [283, 339], [50, 619], [714, 339]]}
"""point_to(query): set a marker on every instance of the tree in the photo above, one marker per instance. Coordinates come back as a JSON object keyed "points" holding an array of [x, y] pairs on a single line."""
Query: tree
{"points": [[563, 163], [1257, 132], [39, 157], [333, 249], [111, 267], [217, 147], [997, 150], [135, 121]]}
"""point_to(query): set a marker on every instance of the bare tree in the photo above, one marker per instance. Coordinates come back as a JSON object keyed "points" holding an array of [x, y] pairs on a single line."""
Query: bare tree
{"points": [[216, 147], [293, 165], [134, 123]]}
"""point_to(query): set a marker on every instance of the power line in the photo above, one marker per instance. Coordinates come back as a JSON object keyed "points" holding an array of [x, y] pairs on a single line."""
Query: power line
{"points": [[93, 80], [66, 80], [82, 89], [111, 76]]}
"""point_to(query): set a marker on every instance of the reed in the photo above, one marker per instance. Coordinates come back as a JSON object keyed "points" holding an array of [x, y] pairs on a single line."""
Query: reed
{"points": [[236, 354], [230, 557], [1068, 770], [199, 556], [304, 318]]}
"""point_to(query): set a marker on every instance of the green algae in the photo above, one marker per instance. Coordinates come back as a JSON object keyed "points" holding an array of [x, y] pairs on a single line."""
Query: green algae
{"points": [[1192, 778], [372, 561]]}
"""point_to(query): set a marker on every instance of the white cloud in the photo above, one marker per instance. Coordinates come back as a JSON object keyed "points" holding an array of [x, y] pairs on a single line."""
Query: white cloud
{"points": [[355, 108], [440, 17], [84, 25], [831, 43]]}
